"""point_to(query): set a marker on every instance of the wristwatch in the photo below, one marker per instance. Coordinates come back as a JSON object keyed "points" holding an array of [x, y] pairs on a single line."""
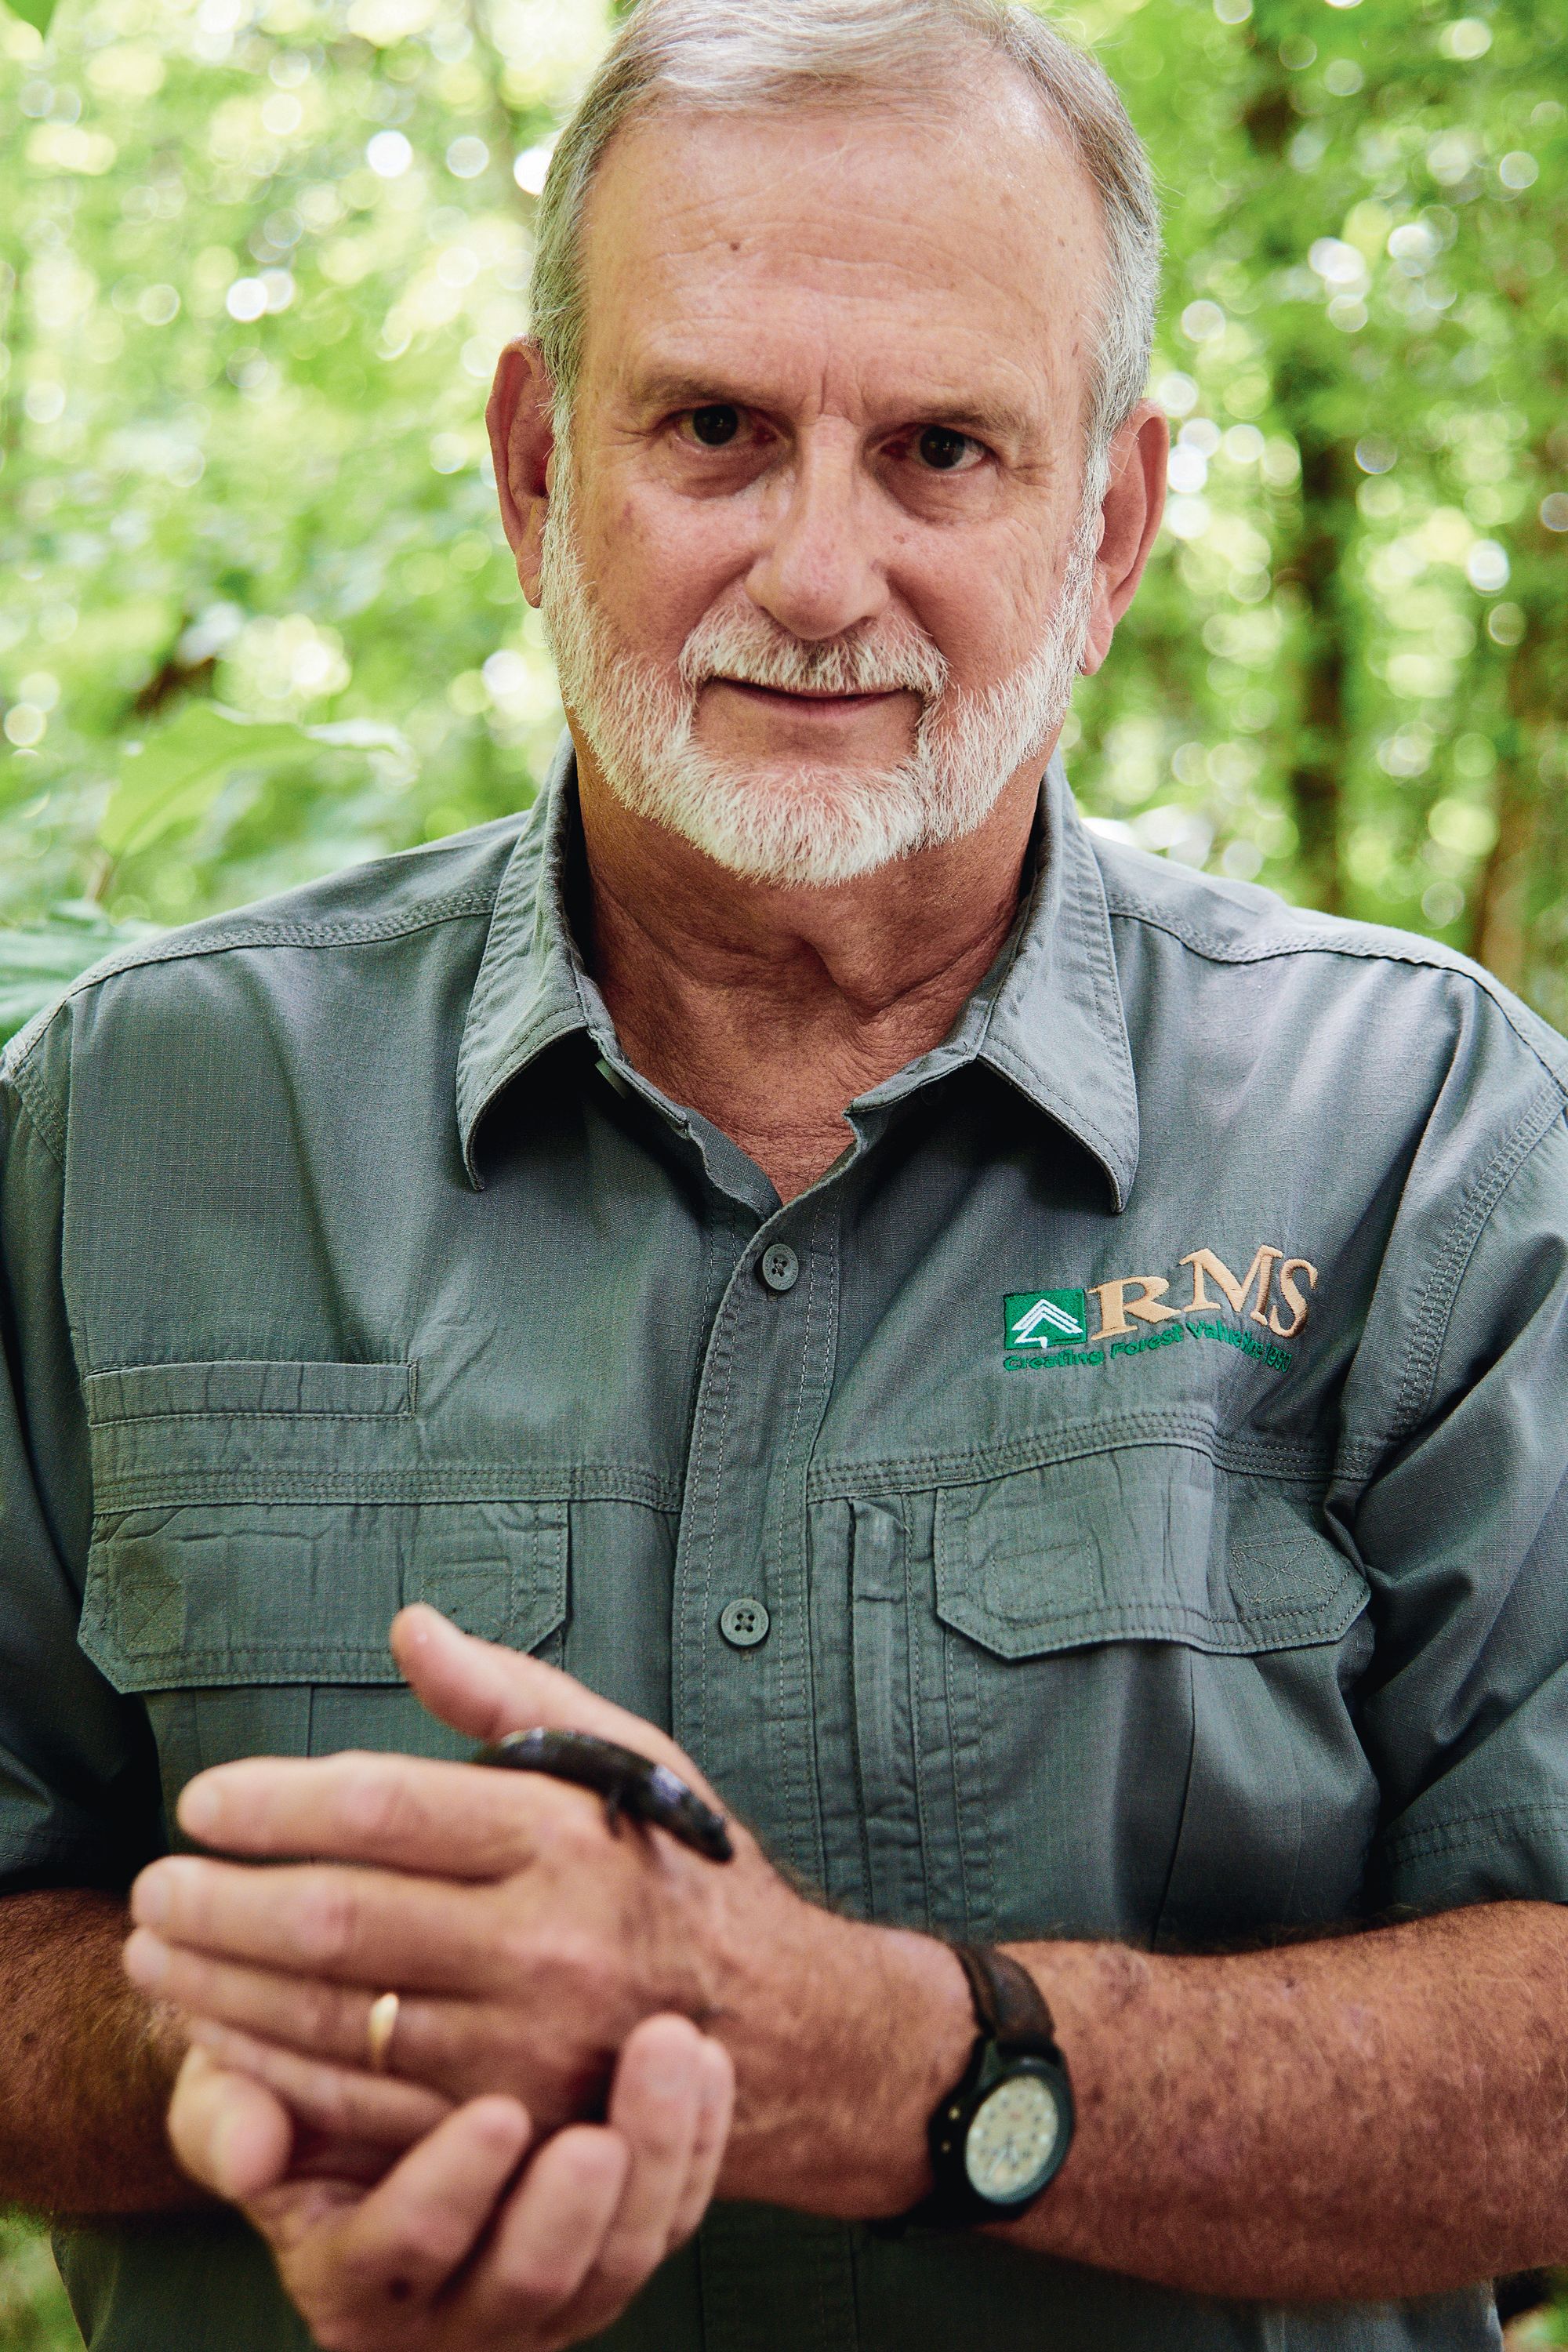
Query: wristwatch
{"points": [[1002, 2132]]}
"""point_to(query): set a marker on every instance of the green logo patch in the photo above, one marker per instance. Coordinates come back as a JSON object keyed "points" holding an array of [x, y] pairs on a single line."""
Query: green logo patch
{"points": [[1044, 1318]]}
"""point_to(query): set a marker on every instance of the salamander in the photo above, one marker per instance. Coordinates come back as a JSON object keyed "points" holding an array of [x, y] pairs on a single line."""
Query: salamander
{"points": [[629, 1784]]}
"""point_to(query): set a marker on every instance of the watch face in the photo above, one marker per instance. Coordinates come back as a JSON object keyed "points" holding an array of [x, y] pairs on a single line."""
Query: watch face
{"points": [[1012, 2139]]}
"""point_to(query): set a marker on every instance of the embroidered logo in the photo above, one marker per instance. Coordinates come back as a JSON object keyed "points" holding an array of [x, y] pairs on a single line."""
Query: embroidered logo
{"points": [[1044, 1318], [1137, 1317]]}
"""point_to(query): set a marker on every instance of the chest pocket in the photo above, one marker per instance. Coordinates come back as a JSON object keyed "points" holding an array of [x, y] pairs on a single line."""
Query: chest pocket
{"points": [[1129, 1714], [258, 1527], [1149, 1543]]}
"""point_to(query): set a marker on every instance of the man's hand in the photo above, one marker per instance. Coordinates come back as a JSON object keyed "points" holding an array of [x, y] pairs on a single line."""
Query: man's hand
{"points": [[528, 1939], [450, 2252], [1257, 2124]]}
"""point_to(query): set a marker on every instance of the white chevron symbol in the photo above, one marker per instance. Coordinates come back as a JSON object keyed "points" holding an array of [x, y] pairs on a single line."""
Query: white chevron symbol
{"points": [[1046, 1311]]}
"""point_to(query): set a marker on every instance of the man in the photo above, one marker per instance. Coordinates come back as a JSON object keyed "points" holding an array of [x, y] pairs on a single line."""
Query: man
{"points": [[1032, 1378]]}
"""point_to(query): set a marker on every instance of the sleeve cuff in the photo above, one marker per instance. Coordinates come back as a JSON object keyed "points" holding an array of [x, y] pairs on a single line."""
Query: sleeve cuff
{"points": [[1514, 1853]]}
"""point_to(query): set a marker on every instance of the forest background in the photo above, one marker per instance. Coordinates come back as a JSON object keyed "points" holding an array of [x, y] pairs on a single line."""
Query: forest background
{"points": [[258, 620]]}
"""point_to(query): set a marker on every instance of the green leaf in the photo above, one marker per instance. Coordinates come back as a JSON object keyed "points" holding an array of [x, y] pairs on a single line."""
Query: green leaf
{"points": [[40, 961], [34, 12], [178, 776]]}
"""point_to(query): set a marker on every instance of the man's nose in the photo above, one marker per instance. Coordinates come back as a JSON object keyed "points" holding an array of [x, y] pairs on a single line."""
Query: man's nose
{"points": [[816, 572]]}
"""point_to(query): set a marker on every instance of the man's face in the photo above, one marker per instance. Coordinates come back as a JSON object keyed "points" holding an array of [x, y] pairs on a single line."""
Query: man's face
{"points": [[815, 566]]}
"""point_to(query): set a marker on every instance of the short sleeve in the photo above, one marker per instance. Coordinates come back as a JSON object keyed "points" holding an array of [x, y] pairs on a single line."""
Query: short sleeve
{"points": [[79, 1803], [1463, 1532]]}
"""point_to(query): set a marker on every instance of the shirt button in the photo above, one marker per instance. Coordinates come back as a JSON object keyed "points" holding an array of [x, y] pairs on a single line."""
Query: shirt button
{"points": [[779, 1266], [744, 1623]]}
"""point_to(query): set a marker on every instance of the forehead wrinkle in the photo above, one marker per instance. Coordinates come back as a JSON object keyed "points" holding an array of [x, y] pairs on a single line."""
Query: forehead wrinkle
{"points": [[697, 221], [708, 324], [705, 205]]}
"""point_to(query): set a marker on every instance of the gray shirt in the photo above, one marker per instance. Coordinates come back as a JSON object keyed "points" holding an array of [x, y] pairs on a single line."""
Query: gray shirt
{"points": [[1122, 1498]]}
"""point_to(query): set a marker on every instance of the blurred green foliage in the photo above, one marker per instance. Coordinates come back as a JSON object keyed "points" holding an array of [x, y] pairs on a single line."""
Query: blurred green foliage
{"points": [[1349, 674], [257, 259], [258, 618], [33, 2313], [1547, 2326]]}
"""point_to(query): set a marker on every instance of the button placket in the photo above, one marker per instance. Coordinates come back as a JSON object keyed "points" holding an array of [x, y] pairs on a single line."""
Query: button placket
{"points": [[742, 1706]]}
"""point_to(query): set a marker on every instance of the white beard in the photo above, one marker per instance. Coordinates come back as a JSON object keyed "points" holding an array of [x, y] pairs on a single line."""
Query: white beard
{"points": [[804, 824]]}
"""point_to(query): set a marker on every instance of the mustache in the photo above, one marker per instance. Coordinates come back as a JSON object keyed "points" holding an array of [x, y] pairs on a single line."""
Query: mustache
{"points": [[889, 658]]}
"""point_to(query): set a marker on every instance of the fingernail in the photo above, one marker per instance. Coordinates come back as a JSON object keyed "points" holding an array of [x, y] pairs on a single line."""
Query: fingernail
{"points": [[156, 1897], [506, 2119], [672, 2066], [200, 1808], [150, 1897], [228, 2133], [146, 1960]]}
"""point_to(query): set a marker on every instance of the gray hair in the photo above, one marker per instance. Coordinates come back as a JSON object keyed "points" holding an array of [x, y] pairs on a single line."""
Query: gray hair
{"points": [[738, 55]]}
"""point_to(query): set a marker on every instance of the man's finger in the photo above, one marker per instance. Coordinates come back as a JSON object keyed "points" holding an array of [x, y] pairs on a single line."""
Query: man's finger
{"points": [[434, 2043], [234, 2137], [671, 2103], [716, 2112], [326, 2020], [228, 2131], [403, 2242], [655, 2104], [549, 2234], [363, 1928], [484, 1692], [373, 2110], [399, 1812]]}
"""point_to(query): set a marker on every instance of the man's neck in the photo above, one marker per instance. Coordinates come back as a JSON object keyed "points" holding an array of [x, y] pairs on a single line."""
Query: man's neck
{"points": [[769, 1010]]}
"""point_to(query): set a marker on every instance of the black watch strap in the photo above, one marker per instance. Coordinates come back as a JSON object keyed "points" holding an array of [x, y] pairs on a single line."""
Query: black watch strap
{"points": [[1009, 2006], [1014, 2021]]}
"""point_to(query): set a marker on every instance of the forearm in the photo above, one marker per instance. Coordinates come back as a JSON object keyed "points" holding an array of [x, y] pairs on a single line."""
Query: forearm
{"points": [[1374, 2116], [1378, 2116], [86, 2064]]}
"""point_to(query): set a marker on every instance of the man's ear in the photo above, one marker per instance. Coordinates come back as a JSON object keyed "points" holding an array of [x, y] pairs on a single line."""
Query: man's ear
{"points": [[520, 419], [1134, 502]]}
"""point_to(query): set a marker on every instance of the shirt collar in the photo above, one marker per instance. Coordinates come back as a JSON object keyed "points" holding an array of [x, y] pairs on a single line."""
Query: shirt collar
{"points": [[1057, 1029], [528, 993], [1047, 1017]]}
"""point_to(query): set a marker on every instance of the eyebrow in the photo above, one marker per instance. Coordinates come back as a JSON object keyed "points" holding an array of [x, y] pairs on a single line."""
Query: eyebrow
{"points": [[675, 388]]}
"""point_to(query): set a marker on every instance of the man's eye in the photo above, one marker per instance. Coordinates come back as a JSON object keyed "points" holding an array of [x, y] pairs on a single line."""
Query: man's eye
{"points": [[945, 451], [716, 425]]}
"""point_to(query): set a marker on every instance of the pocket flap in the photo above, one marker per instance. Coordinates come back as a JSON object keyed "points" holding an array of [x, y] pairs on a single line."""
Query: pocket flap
{"points": [[275, 1593], [1148, 1543], [182, 1391], [168, 1435]]}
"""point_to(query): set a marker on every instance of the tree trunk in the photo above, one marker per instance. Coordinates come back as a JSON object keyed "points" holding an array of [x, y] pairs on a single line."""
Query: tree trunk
{"points": [[1501, 908], [1321, 753], [1304, 381]]}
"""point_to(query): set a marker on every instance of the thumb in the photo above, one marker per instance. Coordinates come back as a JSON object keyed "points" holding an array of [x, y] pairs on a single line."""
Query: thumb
{"points": [[228, 2131], [487, 1692]]}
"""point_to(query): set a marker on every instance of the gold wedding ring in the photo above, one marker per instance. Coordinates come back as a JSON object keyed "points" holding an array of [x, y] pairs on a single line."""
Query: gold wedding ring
{"points": [[380, 2027]]}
